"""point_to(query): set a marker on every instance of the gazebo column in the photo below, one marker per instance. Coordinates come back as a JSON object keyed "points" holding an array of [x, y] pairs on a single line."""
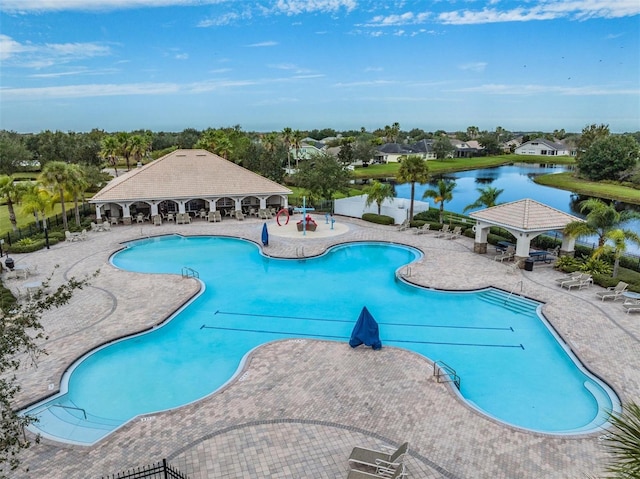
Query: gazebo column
{"points": [[480, 243], [568, 246], [126, 214], [99, 212], [263, 203], [154, 209], [212, 205], [523, 244], [238, 204]]}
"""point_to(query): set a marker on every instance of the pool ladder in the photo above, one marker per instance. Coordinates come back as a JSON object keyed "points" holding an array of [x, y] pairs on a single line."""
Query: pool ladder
{"points": [[521, 283], [84, 413], [189, 272], [445, 373]]}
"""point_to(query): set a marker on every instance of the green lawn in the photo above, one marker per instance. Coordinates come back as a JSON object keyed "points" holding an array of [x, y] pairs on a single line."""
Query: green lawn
{"points": [[23, 219], [566, 181], [438, 167]]}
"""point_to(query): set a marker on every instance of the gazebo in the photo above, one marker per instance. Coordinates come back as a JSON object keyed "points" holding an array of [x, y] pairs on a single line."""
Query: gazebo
{"points": [[187, 181], [524, 219]]}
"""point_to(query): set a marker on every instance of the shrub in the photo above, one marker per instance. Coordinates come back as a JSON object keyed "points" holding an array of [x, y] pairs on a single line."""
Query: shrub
{"points": [[379, 219], [567, 264], [432, 214], [596, 266]]}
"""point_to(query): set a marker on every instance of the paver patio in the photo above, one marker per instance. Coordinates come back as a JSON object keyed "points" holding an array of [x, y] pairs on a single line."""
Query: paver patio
{"points": [[299, 406]]}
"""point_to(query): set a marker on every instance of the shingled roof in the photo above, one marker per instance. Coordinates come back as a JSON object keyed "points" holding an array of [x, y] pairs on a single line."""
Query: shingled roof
{"points": [[525, 215], [187, 174]]}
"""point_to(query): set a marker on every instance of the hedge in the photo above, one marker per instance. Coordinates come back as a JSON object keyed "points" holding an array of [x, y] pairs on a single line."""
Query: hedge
{"points": [[378, 219]]}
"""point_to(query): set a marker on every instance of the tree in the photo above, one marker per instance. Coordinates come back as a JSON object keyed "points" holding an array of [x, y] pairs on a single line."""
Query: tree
{"points": [[124, 147], [55, 177], [413, 169], [489, 141], [442, 147], [363, 151], [20, 332], [442, 194], [377, 192], [76, 185], [10, 191], [36, 200], [109, 151], [287, 136], [323, 176], [590, 134], [473, 132], [607, 158], [623, 443], [604, 220], [346, 154], [138, 147], [14, 155], [488, 198]]}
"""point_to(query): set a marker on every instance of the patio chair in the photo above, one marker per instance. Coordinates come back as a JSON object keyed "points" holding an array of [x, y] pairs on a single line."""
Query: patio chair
{"points": [[508, 254], [425, 228], [106, 226], [83, 235], [239, 215], [381, 472], [613, 292], [94, 226], [373, 458], [442, 232], [218, 216], [583, 281], [170, 217], [157, 220], [569, 277], [631, 306], [457, 231], [404, 226], [211, 217]]}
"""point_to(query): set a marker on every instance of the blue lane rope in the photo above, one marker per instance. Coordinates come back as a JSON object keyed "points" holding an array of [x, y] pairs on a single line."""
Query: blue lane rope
{"points": [[351, 321], [204, 326]]}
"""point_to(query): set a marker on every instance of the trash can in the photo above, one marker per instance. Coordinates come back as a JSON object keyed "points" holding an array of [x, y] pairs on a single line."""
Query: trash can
{"points": [[528, 264], [9, 263]]}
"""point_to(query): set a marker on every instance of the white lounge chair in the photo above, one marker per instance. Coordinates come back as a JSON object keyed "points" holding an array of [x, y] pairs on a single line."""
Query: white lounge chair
{"points": [[443, 232], [406, 224], [425, 228], [381, 473], [457, 231], [631, 306], [373, 458], [613, 292], [583, 281], [507, 255]]}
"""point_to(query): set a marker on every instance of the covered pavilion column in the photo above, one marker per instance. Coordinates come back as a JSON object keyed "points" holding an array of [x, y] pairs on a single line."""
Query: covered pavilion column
{"points": [[212, 204], [523, 244], [480, 243], [238, 202], [263, 202], [99, 207], [154, 209], [568, 246]]}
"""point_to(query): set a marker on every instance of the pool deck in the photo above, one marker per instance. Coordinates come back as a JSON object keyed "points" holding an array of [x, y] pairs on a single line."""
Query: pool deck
{"points": [[299, 406]]}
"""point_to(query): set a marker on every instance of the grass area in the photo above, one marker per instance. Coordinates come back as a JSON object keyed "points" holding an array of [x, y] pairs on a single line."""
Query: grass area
{"points": [[438, 167], [23, 219], [567, 181]]}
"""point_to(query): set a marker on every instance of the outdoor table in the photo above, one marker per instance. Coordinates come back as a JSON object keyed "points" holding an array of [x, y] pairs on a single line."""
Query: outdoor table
{"points": [[22, 270], [539, 256], [503, 245], [631, 295]]}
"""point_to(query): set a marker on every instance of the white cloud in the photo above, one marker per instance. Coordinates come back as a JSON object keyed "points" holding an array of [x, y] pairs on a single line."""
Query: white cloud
{"points": [[182, 56], [263, 44], [365, 83], [25, 6], [91, 90], [525, 90], [407, 18], [32, 55], [106, 71], [473, 66], [296, 7]]}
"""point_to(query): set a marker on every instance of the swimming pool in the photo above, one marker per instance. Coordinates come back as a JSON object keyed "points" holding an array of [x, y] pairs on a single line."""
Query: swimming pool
{"points": [[512, 366]]}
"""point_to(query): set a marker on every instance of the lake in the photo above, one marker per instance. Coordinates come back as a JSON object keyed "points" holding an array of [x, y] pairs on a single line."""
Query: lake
{"points": [[517, 182]]}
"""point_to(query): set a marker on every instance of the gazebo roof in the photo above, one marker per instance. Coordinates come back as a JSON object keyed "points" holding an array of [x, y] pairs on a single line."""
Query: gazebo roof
{"points": [[525, 215], [186, 174]]}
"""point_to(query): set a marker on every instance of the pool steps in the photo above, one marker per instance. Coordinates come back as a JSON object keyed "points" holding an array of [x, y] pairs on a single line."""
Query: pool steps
{"points": [[514, 302], [69, 423]]}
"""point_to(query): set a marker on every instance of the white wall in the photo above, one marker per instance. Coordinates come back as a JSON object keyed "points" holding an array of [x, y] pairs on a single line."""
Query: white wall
{"points": [[397, 208]]}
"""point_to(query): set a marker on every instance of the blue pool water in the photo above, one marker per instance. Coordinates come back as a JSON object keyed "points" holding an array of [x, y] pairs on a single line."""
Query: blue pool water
{"points": [[512, 366]]}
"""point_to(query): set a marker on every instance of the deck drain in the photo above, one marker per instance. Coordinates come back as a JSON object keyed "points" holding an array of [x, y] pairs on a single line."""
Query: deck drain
{"points": [[298, 340], [147, 418], [244, 377], [51, 386]]}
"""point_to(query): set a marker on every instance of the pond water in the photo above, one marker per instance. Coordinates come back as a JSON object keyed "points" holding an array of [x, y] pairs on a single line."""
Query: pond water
{"points": [[517, 182]]}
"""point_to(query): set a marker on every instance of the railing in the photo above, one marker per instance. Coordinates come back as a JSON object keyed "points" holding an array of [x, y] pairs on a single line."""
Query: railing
{"points": [[445, 373], [84, 413], [521, 283], [189, 272], [161, 470]]}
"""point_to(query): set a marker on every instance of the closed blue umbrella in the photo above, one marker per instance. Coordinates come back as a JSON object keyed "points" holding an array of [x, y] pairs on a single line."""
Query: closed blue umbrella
{"points": [[365, 331], [265, 235]]}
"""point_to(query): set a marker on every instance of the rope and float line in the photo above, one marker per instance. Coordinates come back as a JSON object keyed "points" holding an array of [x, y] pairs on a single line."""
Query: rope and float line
{"points": [[379, 323]]}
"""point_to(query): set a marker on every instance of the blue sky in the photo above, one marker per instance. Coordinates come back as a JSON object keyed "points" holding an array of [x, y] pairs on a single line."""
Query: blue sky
{"points": [[343, 64]]}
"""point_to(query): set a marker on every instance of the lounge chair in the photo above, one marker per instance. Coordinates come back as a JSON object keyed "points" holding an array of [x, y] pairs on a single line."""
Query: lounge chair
{"points": [[569, 277], [583, 281], [508, 255], [613, 292], [425, 228], [373, 458], [442, 232], [457, 231], [406, 224], [631, 306], [382, 472]]}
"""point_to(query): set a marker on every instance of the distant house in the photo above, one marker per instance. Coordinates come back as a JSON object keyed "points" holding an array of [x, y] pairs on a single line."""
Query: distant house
{"points": [[394, 152], [465, 149], [544, 147], [511, 145]]}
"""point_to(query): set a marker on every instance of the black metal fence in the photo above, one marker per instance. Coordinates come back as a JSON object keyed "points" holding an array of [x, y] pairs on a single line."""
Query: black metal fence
{"points": [[161, 470]]}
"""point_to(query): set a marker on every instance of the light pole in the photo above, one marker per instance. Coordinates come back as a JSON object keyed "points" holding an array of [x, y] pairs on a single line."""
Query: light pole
{"points": [[46, 232]]}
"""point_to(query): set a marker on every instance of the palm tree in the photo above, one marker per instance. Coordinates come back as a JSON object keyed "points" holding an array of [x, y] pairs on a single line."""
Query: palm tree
{"points": [[11, 192], [76, 186], [442, 194], [488, 198], [619, 238], [600, 220], [36, 201], [287, 136], [413, 169], [296, 142], [138, 146], [109, 151], [623, 443], [124, 147], [378, 192], [55, 177]]}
